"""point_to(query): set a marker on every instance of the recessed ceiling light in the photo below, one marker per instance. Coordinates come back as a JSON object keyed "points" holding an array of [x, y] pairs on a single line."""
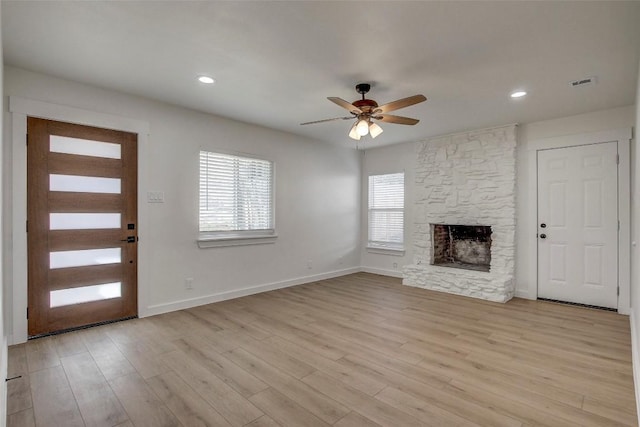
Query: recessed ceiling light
{"points": [[206, 79], [518, 94]]}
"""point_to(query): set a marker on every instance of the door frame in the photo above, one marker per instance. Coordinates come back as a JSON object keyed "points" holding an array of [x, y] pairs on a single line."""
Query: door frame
{"points": [[530, 240], [16, 255]]}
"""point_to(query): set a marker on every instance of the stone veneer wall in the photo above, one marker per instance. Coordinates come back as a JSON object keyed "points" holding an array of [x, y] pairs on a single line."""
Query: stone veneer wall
{"points": [[467, 179]]}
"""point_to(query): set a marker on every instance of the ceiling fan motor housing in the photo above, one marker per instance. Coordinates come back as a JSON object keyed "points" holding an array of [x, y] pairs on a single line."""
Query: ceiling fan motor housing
{"points": [[366, 105]]}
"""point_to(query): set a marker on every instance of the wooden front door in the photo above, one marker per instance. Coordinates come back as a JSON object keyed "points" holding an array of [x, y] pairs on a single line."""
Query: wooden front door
{"points": [[81, 225]]}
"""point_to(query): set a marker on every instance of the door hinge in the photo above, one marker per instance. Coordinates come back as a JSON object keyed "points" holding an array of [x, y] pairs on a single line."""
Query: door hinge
{"points": [[27, 312], [618, 291], [617, 159], [618, 225], [27, 143], [26, 226]]}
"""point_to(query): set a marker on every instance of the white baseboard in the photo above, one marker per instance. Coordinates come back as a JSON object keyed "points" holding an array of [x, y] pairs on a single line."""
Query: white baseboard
{"points": [[382, 272], [635, 360], [222, 296], [521, 293], [3, 374]]}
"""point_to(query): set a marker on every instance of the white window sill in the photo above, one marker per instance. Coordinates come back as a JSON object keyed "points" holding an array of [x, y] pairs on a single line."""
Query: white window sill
{"points": [[385, 251], [214, 241]]}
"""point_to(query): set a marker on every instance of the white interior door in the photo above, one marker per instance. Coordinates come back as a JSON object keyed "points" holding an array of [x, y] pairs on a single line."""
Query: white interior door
{"points": [[578, 224]]}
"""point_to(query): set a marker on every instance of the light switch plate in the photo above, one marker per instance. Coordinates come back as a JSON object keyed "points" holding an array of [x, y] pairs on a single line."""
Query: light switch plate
{"points": [[155, 197]]}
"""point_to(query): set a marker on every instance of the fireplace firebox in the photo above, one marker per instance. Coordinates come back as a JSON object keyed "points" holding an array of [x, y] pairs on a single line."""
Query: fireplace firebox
{"points": [[462, 246]]}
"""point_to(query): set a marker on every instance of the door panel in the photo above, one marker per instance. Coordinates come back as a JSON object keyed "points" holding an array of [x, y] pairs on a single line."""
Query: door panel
{"points": [[82, 225], [74, 202], [75, 165], [83, 276], [82, 294], [578, 205], [557, 263]]}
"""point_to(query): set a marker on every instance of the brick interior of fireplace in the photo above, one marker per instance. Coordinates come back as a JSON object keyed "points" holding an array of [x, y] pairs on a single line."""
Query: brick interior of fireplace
{"points": [[462, 246]]}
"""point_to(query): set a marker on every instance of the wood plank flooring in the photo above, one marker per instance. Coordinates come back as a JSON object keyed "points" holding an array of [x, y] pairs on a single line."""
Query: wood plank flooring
{"points": [[359, 350]]}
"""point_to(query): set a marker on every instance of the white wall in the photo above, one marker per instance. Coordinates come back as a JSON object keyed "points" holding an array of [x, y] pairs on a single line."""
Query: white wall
{"points": [[3, 312], [635, 250], [317, 200], [379, 161], [402, 157]]}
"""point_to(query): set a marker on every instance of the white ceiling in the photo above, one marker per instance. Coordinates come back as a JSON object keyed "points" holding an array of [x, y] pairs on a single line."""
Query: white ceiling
{"points": [[276, 62]]}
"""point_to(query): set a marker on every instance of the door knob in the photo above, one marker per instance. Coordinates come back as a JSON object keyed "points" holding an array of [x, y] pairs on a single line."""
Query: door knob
{"points": [[543, 236], [543, 225]]}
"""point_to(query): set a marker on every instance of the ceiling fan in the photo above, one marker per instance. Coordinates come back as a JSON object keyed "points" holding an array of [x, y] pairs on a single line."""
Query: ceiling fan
{"points": [[366, 110]]}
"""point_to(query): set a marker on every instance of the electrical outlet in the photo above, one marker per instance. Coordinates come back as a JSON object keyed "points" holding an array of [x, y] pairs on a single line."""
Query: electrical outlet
{"points": [[188, 283]]}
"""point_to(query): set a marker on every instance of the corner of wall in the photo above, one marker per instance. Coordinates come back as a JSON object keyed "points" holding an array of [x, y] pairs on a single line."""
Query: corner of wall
{"points": [[635, 253], [3, 343], [635, 359]]}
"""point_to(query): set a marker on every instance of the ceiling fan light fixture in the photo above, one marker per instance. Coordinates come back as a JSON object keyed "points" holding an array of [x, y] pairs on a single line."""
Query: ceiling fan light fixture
{"points": [[375, 130], [353, 133], [362, 127]]}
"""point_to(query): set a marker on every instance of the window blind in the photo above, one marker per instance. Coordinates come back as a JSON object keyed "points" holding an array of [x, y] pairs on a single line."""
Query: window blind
{"points": [[386, 211], [236, 193]]}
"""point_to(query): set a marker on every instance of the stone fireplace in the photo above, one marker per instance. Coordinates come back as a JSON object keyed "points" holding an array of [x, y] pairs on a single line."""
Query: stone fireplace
{"points": [[464, 214], [462, 246]]}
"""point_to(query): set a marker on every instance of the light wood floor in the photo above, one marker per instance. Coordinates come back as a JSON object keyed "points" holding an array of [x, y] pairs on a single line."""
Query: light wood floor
{"points": [[361, 350]]}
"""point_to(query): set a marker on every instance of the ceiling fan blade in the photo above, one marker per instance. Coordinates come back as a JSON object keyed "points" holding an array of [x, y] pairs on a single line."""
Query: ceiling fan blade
{"points": [[344, 104], [401, 103], [388, 118], [327, 120]]}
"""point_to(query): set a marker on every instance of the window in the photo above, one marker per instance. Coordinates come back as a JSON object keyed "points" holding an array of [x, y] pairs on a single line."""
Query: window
{"points": [[386, 211], [236, 197]]}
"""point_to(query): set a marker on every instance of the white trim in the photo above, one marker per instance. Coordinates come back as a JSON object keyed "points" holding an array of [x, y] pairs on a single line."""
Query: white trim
{"points": [[20, 109], [218, 242], [385, 251], [222, 296], [382, 271], [18, 251], [635, 361], [623, 137], [63, 113], [624, 232], [3, 374]]}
